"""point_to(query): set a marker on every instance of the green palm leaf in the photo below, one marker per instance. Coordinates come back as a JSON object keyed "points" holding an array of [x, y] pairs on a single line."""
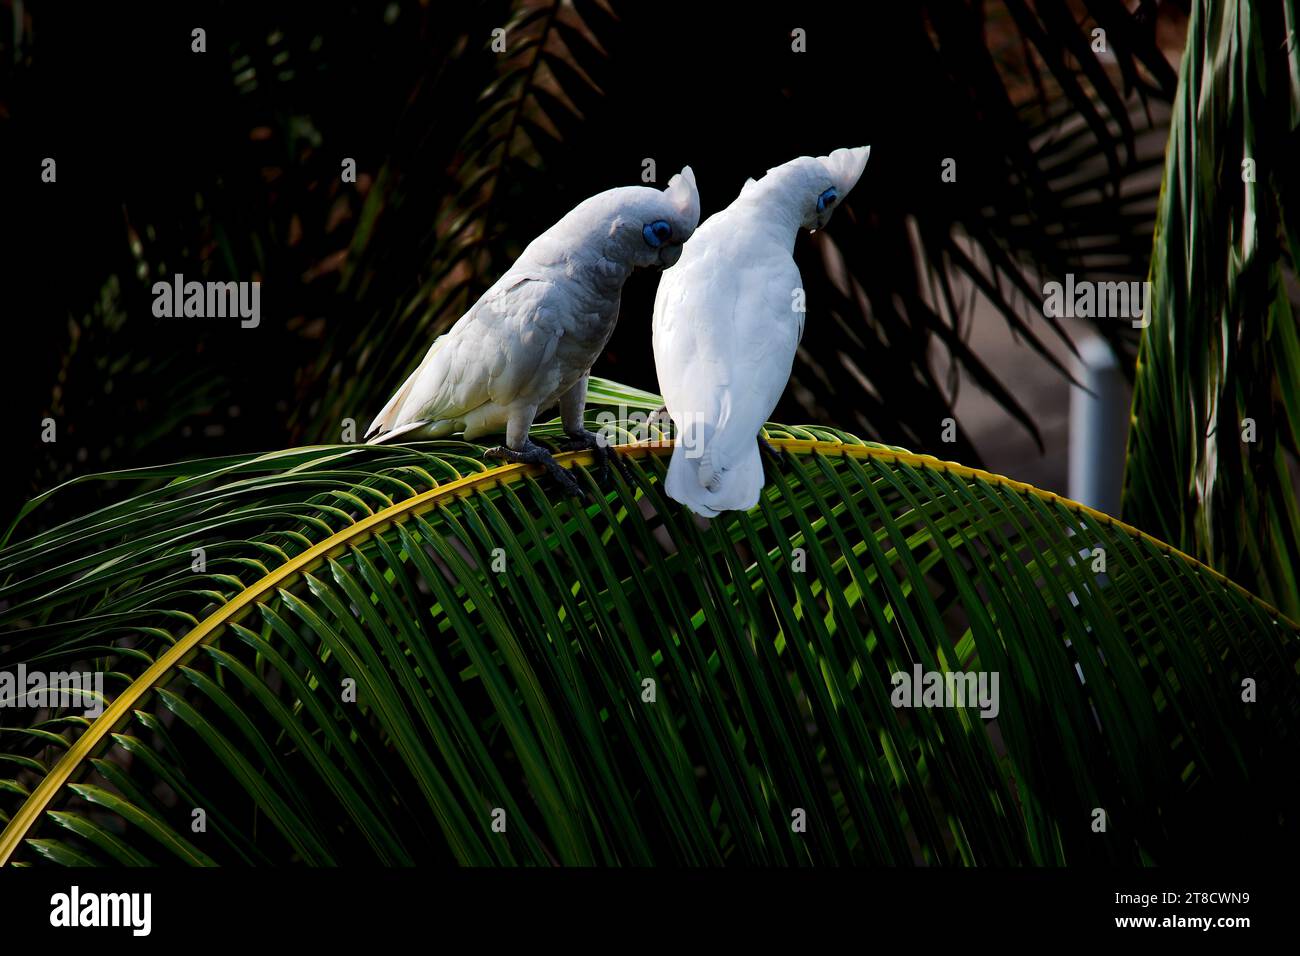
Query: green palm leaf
{"points": [[391, 649], [1215, 441]]}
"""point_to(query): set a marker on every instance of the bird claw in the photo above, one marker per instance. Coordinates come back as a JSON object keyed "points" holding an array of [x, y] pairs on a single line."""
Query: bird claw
{"points": [[533, 454], [656, 420], [590, 441]]}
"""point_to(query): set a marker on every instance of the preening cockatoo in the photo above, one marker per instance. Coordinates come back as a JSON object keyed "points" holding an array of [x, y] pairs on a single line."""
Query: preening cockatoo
{"points": [[530, 341], [727, 322]]}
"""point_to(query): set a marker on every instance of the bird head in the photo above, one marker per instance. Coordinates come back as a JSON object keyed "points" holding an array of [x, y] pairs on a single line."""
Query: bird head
{"points": [[650, 225], [815, 186], [842, 168]]}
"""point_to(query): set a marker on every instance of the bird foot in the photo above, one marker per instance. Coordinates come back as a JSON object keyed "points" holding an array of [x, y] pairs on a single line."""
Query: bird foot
{"points": [[661, 421], [534, 454], [589, 441]]}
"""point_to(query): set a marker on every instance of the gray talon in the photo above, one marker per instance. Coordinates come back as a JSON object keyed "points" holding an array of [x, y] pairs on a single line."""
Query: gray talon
{"points": [[587, 440], [534, 454], [660, 421]]}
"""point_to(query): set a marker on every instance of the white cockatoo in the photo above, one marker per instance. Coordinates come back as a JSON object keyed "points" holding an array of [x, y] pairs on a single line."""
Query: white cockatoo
{"points": [[727, 322], [530, 341]]}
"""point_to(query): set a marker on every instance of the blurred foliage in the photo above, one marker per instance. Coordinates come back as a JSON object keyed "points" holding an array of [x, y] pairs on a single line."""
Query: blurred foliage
{"points": [[1214, 449], [226, 165]]}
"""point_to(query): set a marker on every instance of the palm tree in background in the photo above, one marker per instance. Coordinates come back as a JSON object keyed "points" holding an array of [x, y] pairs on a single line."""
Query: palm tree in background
{"points": [[1214, 452], [232, 170]]}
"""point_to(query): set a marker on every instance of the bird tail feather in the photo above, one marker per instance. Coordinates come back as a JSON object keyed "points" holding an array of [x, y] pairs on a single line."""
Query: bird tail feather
{"points": [[730, 487], [706, 472], [389, 417], [385, 437]]}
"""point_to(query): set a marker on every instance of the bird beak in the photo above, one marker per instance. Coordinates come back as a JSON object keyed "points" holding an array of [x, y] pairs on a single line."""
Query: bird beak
{"points": [[669, 254]]}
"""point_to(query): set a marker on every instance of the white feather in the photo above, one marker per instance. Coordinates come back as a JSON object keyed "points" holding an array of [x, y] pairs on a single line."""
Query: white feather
{"points": [[726, 329], [536, 332]]}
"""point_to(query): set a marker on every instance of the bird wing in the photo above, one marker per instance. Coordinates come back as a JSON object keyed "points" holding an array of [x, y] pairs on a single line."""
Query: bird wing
{"points": [[725, 337], [492, 355]]}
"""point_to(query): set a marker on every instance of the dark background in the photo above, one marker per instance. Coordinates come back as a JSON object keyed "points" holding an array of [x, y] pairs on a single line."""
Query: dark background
{"points": [[225, 165]]}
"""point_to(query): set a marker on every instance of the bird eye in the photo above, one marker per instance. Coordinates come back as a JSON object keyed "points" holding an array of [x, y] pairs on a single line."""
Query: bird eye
{"points": [[657, 233], [826, 200]]}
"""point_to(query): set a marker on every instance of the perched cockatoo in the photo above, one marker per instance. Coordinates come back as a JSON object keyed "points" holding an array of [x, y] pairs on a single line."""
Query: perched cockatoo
{"points": [[727, 322], [530, 341]]}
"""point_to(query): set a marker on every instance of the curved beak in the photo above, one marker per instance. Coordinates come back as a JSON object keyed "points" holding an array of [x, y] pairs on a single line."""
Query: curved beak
{"points": [[669, 254]]}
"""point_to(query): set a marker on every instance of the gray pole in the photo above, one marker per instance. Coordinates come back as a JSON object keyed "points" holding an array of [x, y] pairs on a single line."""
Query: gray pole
{"points": [[1098, 427]]}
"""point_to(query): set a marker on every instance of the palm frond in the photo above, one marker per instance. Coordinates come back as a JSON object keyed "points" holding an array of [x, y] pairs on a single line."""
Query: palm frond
{"points": [[620, 683], [1213, 450], [521, 112]]}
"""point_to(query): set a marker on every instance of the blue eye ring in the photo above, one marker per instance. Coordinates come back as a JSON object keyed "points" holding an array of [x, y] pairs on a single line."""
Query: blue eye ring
{"points": [[657, 233], [826, 200]]}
